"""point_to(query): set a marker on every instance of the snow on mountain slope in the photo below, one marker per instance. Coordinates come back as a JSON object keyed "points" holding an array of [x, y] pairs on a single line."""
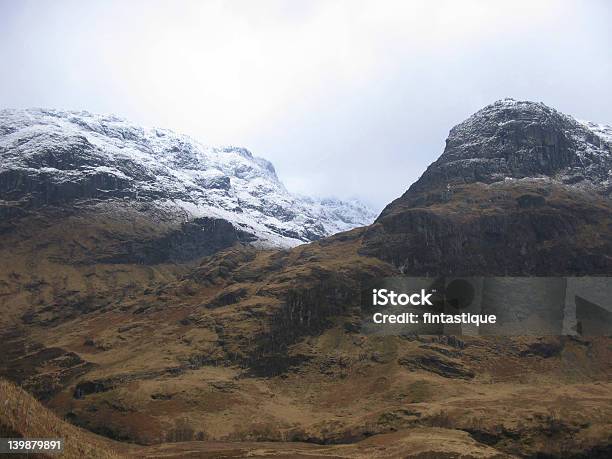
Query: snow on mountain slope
{"points": [[50, 156]]}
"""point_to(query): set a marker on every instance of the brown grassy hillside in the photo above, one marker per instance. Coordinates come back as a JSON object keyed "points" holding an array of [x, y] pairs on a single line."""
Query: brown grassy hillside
{"points": [[265, 346], [21, 416]]}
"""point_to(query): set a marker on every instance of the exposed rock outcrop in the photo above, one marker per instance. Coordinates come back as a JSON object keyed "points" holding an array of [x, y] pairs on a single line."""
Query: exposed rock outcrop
{"points": [[520, 189]]}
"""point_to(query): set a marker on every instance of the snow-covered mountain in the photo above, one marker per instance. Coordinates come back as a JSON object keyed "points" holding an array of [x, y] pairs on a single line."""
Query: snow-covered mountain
{"points": [[51, 157]]}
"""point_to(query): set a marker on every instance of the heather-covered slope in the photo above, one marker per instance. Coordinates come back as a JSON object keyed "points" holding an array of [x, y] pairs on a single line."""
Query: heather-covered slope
{"points": [[21, 416], [266, 346]]}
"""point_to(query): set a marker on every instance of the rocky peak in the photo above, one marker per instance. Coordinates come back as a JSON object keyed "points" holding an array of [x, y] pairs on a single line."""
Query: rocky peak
{"points": [[521, 189], [512, 139]]}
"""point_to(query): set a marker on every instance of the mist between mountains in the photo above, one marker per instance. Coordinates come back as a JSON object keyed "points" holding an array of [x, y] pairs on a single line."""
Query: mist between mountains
{"points": [[494, 306]]}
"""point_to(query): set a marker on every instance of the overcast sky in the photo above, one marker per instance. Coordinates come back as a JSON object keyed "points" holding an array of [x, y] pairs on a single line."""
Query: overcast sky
{"points": [[346, 98]]}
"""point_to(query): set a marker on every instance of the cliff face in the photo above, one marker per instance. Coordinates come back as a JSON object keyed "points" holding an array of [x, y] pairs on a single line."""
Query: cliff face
{"points": [[520, 189], [515, 228]]}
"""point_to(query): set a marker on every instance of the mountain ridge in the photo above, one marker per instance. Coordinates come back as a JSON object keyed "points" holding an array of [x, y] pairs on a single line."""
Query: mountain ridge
{"points": [[55, 157]]}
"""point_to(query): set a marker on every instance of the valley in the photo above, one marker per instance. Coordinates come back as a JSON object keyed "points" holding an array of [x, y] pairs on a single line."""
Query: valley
{"points": [[172, 334]]}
